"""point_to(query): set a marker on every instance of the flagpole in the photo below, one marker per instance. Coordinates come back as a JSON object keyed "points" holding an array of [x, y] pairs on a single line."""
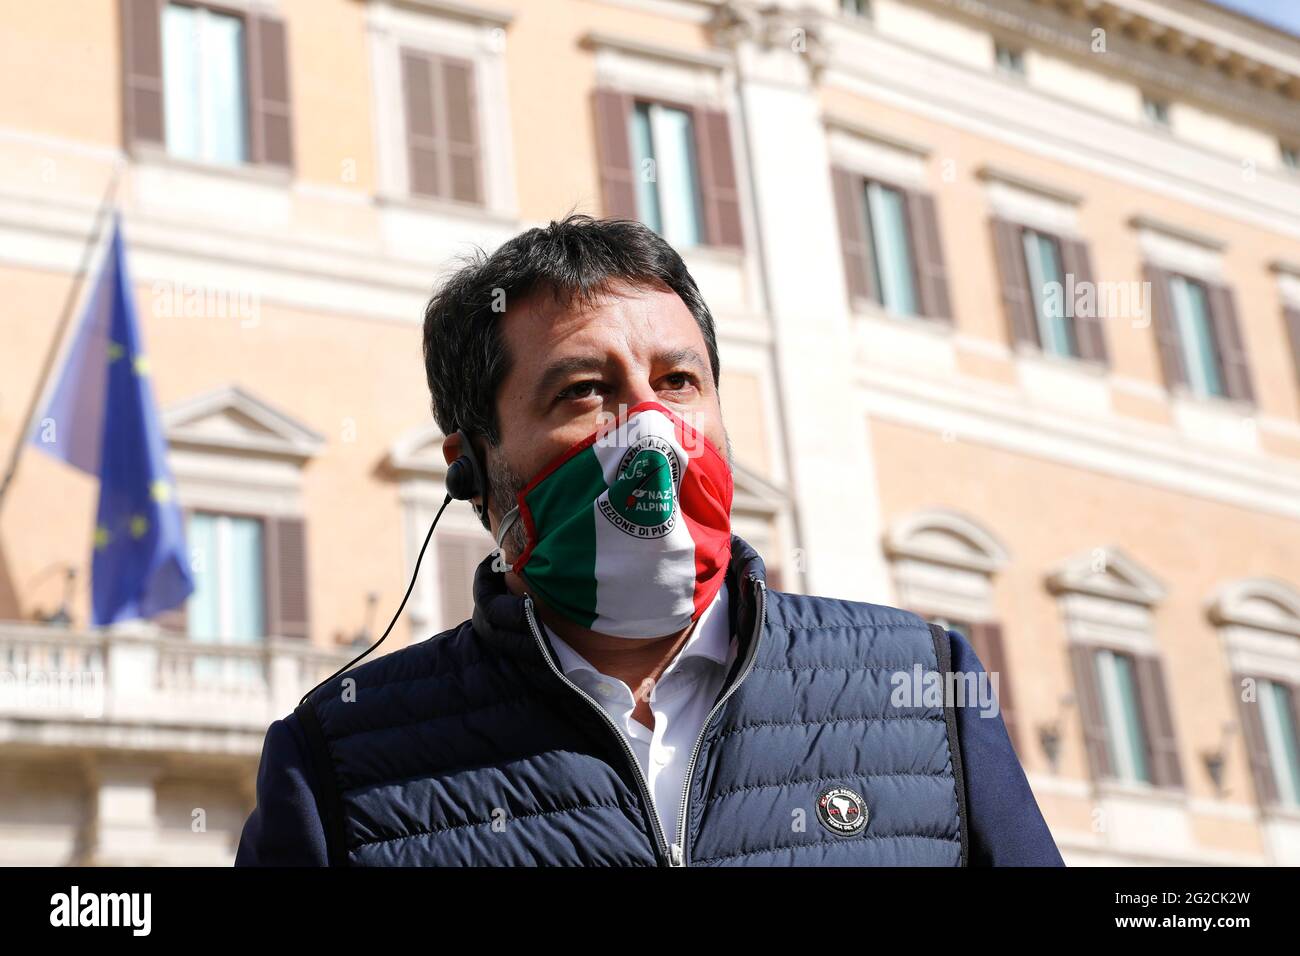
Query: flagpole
{"points": [[65, 316]]}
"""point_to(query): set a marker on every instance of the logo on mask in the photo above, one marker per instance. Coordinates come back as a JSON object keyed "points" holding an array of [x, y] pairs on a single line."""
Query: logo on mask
{"points": [[642, 501]]}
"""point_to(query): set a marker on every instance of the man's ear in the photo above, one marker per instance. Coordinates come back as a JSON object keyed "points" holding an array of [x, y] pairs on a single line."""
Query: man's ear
{"points": [[451, 447]]}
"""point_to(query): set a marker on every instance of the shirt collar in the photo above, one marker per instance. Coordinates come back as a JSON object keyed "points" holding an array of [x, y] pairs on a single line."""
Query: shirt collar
{"points": [[709, 639]]}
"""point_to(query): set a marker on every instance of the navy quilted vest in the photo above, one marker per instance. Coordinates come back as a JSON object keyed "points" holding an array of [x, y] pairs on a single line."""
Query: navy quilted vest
{"points": [[471, 748]]}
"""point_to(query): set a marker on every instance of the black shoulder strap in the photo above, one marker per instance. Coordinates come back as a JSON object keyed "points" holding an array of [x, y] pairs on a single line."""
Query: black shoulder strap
{"points": [[943, 653], [328, 801]]}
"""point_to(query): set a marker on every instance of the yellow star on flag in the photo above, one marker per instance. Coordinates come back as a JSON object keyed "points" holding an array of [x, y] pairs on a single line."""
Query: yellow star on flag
{"points": [[101, 538], [160, 491], [139, 526], [115, 351], [140, 364]]}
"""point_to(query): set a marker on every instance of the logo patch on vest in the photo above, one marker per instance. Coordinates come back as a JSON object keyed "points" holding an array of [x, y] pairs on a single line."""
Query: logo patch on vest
{"points": [[842, 811]]}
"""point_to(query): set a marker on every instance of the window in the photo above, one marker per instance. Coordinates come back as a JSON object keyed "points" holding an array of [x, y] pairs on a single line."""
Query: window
{"points": [[1259, 623], [245, 531], [1278, 718], [1156, 111], [1196, 336], [944, 565], [1202, 350], [1125, 735], [442, 136], [203, 75], [664, 162], [892, 266], [856, 8], [1042, 275], [206, 85], [889, 238], [671, 166], [458, 560], [1046, 282], [1009, 59], [228, 603], [1120, 687]]}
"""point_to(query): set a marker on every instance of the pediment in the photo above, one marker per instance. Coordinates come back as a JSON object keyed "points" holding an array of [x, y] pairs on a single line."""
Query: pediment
{"points": [[1110, 573], [233, 419]]}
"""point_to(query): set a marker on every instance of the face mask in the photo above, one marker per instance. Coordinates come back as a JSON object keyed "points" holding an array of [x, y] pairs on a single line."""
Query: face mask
{"points": [[629, 531]]}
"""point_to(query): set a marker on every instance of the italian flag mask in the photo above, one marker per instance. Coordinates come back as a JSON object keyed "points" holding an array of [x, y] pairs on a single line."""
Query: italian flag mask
{"points": [[629, 531]]}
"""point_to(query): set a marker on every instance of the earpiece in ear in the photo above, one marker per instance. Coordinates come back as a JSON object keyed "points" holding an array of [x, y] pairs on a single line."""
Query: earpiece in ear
{"points": [[465, 478]]}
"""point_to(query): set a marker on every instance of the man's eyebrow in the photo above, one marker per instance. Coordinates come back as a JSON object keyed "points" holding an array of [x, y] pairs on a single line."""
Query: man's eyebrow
{"points": [[684, 356], [560, 369]]}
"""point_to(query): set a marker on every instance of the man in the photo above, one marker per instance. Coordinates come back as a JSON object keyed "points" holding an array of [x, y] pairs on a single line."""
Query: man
{"points": [[629, 691]]}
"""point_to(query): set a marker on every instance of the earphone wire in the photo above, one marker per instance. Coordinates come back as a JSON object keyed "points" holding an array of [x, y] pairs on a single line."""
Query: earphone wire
{"points": [[409, 588]]}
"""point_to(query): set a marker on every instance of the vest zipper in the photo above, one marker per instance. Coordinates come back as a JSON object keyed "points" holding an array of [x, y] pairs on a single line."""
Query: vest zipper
{"points": [[679, 848], [662, 850]]}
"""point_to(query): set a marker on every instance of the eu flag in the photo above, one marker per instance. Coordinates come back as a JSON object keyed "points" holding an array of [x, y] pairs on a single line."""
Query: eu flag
{"points": [[101, 418]]}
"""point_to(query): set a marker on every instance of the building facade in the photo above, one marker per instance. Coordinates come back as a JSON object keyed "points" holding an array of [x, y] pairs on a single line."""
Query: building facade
{"points": [[1008, 300]]}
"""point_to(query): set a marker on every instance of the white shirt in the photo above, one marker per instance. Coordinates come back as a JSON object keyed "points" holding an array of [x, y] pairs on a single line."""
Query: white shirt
{"points": [[680, 701]]}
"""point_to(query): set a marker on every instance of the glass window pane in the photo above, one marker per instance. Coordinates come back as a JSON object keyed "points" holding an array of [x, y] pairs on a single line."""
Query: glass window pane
{"points": [[243, 568], [1046, 284], [1281, 737], [228, 604], [1124, 733], [223, 75], [674, 149], [181, 81], [888, 213], [644, 171], [203, 76], [1200, 356], [203, 620]]}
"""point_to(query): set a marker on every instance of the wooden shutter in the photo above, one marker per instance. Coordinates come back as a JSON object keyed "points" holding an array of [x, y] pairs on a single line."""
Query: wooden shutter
{"points": [[1017, 300], [422, 146], [613, 113], [1291, 316], [142, 106], [927, 253], [717, 169], [855, 236], [1088, 331], [1091, 719], [1231, 346], [1166, 329], [986, 641], [1256, 744], [443, 148], [460, 108], [1157, 721], [269, 114], [286, 577], [458, 559]]}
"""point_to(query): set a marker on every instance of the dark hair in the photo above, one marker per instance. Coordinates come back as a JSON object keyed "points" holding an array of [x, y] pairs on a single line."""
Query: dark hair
{"points": [[578, 257]]}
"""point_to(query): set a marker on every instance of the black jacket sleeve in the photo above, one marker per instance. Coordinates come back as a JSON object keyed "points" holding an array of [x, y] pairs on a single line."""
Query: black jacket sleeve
{"points": [[1003, 821], [285, 827]]}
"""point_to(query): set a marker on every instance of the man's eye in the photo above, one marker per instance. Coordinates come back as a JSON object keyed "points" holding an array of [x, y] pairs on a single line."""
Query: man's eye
{"points": [[677, 381], [579, 390]]}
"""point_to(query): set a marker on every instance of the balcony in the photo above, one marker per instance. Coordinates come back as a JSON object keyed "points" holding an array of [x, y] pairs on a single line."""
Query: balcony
{"points": [[139, 689]]}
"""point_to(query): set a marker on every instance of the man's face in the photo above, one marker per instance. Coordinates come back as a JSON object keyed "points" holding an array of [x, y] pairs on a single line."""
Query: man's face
{"points": [[573, 367]]}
